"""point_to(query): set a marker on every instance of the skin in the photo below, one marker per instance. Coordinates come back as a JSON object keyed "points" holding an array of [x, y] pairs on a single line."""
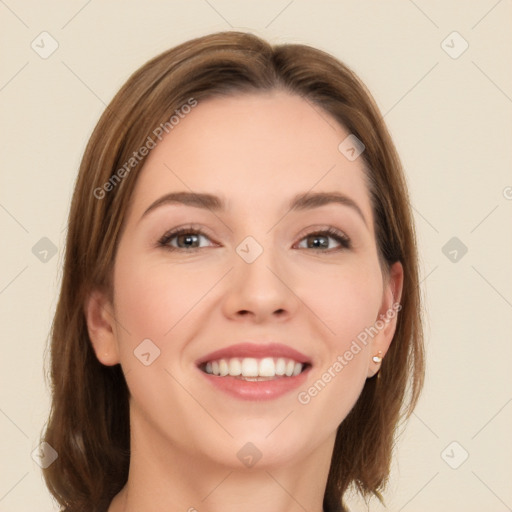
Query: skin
{"points": [[256, 151]]}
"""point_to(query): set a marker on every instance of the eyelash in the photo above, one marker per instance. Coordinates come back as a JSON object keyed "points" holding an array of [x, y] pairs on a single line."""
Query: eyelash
{"points": [[340, 237]]}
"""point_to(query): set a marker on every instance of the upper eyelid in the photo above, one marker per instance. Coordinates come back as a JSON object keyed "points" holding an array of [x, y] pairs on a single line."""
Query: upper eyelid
{"points": [[185, 229]]}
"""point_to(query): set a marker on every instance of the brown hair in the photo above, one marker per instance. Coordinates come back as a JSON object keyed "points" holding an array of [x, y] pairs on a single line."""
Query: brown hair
{"points": [[89, 419]]}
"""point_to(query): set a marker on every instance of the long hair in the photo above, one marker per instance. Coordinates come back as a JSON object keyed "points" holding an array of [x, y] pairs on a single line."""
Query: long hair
{"points": [[88, 424]]}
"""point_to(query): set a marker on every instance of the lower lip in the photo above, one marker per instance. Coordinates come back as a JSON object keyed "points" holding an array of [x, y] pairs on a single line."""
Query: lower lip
{"points": [[257, 390]]}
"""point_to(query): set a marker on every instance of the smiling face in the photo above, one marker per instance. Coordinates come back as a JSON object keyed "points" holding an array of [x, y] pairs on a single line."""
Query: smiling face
{"points": [[258, 262]]}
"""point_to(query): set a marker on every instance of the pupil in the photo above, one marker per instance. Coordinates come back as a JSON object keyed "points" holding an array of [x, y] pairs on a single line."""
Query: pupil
{"points": [[321, 244], [188, 239]]}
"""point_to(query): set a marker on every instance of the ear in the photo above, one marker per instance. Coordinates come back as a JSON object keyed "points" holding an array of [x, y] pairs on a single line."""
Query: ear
{"points": [[387, 318], [99, 315]]}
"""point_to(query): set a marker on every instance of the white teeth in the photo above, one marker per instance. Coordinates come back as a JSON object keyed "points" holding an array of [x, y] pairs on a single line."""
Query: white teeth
{"points": [[235, 367], [280, 366], [250, 367], [223, 367], [267, 367]]}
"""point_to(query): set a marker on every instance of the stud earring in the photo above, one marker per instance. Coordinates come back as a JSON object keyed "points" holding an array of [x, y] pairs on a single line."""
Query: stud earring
{"points": [[377, 359]]}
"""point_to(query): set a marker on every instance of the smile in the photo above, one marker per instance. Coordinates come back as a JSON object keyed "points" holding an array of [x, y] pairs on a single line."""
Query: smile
{"points": [[250, 368], [255, 371]]}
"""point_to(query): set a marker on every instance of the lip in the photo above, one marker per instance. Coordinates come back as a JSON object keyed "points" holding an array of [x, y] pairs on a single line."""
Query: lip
{"points": [[258, 351], [256, 390]]}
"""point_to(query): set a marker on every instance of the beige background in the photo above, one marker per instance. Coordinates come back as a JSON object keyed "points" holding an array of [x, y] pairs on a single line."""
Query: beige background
{"points": [[451, 120]]}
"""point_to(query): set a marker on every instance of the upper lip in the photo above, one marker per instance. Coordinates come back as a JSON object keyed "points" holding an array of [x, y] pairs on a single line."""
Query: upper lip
{"points": [[256, 350]]}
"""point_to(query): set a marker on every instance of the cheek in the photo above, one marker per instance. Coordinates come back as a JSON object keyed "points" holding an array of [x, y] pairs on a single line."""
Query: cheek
{"points": [[346, 303], [154, 302], [152, 299], [346, 300]]}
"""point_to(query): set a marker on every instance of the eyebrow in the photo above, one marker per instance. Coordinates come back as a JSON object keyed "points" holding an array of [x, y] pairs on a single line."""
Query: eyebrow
{"points": [[299, 202]]}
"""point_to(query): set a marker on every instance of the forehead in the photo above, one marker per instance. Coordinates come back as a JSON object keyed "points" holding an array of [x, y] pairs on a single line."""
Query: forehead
{"points": [[253, 150]]}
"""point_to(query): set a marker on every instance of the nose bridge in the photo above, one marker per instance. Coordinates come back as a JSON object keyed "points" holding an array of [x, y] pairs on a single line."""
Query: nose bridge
{"points": [[258, 285], [255, 259]]}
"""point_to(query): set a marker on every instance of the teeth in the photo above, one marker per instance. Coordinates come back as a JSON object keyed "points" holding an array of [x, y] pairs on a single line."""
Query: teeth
{"points": [[267, 368], [250, 367], [223, 367], [235, 367], [280, 366]]}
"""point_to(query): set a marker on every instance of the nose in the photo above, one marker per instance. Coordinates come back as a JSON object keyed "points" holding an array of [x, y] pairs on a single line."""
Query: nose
{"points": [[261, 290]]}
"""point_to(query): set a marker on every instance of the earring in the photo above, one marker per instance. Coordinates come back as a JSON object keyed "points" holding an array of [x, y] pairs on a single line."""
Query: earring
{"points": [[377, 359]]}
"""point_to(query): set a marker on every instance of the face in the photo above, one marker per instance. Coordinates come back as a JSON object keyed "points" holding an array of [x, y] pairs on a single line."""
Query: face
{"points": [[273, 287]]}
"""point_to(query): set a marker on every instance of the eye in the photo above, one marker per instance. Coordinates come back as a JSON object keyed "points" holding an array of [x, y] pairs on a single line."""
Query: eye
{"points": [[320, 239], [188, 239], [185, 238]]}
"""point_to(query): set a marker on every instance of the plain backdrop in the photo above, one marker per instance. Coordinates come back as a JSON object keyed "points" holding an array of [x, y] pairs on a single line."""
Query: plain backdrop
{"points": [[440, 72]]}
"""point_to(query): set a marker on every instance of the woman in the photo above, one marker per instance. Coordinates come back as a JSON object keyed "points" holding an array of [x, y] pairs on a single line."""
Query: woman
{"points": [[239, 320]]}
